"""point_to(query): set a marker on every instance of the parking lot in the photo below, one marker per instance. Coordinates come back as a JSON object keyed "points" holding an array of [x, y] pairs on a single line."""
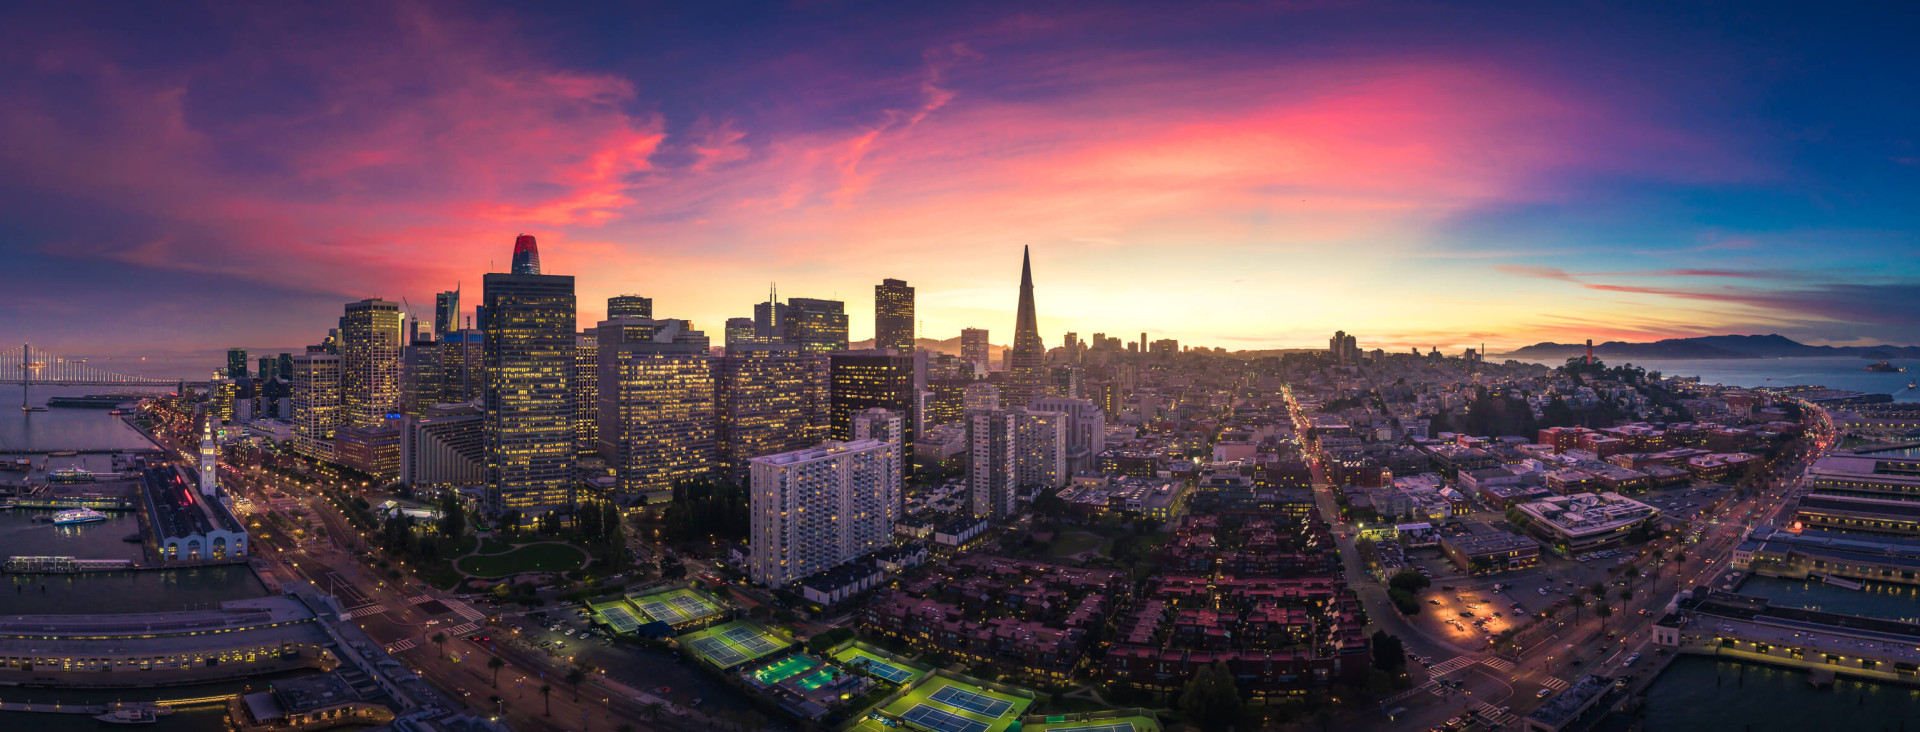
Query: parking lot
{"points": [[641, 668]]}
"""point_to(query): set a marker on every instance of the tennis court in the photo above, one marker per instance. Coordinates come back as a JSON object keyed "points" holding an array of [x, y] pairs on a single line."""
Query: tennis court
{"points": [[617, 618], [936, 719], [784, 669], [1105, 727], [971, 701], [674, 607], [734, 643], [943, 704], [854, 657]]}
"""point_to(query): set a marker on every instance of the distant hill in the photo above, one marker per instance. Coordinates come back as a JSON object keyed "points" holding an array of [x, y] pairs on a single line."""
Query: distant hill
{"points": [[950, 346], [1721, 346]]}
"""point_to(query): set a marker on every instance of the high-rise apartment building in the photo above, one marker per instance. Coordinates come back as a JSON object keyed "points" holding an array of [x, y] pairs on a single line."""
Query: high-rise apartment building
{"points": [[893, 316], [285, 371], [974, 349], [446, 314], [1040, 441], [269, 368], [886, 425], [980, 395], [815, 509], [526, 255], [629, 306], [586, 392], [446, 447], [992, 462], [656, 417], [863, 380], [316, 403], [370, 344], [816, 326], [528, 368], [1086, 429], [236, 363], [771, 399]]}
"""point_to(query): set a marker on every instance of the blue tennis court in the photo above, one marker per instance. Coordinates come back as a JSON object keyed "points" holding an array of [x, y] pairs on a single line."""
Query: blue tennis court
{"points": [[719, 651], [940, 720], [971, 701], [885, 670], [620, 620], [751, 640]]}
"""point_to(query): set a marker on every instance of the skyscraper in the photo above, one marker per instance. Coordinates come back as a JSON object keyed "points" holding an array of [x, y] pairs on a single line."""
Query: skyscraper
{"points": [[1025, 375], [1086, 429], [286, 366], [526, 255], [370, 345], [424, 376], [446, 314], [586, 392], [863, 380], [269, 369], [816, 326], [893, 316], [316, 403], [888, 426], [771, 399], [236, 363], [629, 306], [528, 365], [1040, 444], [815, 509], [656, 416], [973, 349], [740, 332]]}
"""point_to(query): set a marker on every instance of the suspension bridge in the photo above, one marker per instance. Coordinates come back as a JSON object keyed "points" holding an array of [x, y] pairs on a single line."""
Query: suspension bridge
{"points": [[28, 367]]}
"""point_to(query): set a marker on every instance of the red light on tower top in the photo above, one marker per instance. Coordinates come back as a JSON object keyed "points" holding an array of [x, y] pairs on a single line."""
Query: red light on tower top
{"points": [[526, 255]]}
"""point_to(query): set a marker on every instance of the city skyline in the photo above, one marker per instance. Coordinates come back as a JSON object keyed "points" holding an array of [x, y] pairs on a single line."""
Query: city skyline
{"points": [[1223, 175]]}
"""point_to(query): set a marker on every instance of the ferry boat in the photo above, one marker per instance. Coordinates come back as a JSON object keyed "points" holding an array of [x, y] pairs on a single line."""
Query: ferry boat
{"points": [[70, 475], [77, 516], [33, 409]]}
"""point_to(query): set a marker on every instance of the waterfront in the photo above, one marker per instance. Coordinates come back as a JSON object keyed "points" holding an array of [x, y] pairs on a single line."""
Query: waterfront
{"points": [[1701, 693], [132, 591], [21, 535], [1872, 600], [64, 429], [207, 718], [1836, 373]]}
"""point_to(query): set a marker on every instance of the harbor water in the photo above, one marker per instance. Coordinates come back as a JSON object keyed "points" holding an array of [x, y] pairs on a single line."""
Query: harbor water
{"points": [[1699, 693], [1833, 373], [63, 429]]}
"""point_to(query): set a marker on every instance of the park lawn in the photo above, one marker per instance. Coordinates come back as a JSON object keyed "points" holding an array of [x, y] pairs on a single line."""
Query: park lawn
{"points": [[531, 558], [1074, 542]]}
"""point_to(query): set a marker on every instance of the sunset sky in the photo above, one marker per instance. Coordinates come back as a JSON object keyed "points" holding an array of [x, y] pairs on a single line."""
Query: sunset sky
{"points": [[1246, 175]]}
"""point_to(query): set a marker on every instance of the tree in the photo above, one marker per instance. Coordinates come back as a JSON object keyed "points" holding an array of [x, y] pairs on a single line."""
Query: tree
{"points": [[1211, 699], [546, 695], [1404, 601], [1409, 581], [495, 664], [1578, 600], [1604, 611], [574, 677], [652, 710], [453, 518], [1389, 654], [440, 639]]}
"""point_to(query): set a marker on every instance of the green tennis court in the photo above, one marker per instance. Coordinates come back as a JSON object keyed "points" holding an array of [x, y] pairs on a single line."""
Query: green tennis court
{"points": [[893, 671], [730, 645], [674, 606], [784, 669]]}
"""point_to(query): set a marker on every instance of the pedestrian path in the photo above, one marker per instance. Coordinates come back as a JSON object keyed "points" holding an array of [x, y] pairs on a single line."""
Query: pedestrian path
{"points": [[400, 645], [466, 611], [1427, 687], [363, 611], [1498, 664], [462, 629], [1554, 683], [417, 599]]}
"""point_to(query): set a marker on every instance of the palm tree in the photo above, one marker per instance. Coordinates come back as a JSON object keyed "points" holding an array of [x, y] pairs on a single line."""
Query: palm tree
{"points": [[1632, 573], [652, 711], [496, 663], [546, 694], [1579, 600], [440, 640], [574, 677], [1604, 611]]}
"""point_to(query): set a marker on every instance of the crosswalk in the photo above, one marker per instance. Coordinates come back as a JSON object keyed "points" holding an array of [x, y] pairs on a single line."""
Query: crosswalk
{"points": [[401, 645], [1451, 665], [417, 599], [361, 612], [1498, 664], [465, 611], [462, 629], [1554, 683], [1493, 714]]}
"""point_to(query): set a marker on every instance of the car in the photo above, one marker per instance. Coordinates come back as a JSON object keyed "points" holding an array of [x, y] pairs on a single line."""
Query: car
{"points": [[1433, 602], [1633, 659], [1447, 587], [1543, 590]]}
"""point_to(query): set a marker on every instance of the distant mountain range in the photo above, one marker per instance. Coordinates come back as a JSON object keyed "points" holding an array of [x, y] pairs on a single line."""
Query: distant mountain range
{"points": [[1721, 346], [950, 346]]}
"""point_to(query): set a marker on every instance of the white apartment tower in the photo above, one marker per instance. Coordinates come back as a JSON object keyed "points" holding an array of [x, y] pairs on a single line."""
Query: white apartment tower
{"points": [[1040, 444], [992, 467], [816, 509]]}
